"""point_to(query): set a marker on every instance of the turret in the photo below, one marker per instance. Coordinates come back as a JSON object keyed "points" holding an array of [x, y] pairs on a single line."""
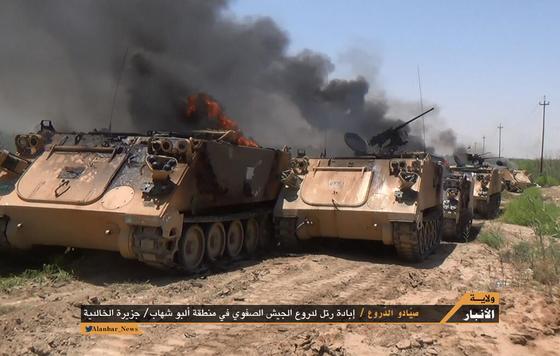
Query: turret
{"points": [[386, 141]]}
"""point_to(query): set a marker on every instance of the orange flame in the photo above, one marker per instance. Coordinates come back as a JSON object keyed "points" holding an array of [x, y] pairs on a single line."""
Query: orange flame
{"points": [[212, 110]]}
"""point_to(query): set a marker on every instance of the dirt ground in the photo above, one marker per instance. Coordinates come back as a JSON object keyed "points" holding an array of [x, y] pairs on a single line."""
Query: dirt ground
{"points": [[44, 319]]}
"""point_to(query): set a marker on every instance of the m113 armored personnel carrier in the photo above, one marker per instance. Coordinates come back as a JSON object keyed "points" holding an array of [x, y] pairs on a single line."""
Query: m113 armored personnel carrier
{"points": [[384, 195], [167, 199], [516, 180], [487, 184]]}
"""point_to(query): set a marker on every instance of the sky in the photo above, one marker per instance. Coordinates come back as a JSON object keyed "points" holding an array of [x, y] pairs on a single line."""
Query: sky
{"points": [[481, 62]]}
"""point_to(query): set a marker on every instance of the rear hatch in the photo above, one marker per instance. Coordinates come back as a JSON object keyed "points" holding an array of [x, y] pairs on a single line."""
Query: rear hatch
{"points": [[337, 186], [70, 174]]}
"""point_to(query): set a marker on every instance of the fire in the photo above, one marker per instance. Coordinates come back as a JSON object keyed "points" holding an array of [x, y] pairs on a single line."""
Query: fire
{"points": [[203, 105]]}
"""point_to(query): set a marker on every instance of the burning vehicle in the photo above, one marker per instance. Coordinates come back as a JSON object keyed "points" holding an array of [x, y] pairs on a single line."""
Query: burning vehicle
{"points": [[169, 199]]}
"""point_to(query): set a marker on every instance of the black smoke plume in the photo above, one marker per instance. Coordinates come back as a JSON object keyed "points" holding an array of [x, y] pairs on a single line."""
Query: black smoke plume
{"points": [[61, 60]]}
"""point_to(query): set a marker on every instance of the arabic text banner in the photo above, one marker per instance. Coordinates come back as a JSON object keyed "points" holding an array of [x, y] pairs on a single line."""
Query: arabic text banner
{"points": [[476, 307]]}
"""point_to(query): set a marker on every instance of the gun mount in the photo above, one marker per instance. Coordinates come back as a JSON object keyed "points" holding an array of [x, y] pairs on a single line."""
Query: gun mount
{"points": [[479, 160], [385, 142]]}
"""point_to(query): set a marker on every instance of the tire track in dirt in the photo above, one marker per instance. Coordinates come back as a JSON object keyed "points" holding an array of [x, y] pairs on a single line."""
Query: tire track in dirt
{"points": [[372, 285], [48, 313], [305, 286]]}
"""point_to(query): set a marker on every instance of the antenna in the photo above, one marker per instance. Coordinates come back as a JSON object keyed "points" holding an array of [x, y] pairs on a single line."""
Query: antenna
{"points": [[117, 89], [421, 107]]}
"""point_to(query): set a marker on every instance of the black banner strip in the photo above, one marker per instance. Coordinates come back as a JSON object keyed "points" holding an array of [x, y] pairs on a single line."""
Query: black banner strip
{"points": [[287, 313]]}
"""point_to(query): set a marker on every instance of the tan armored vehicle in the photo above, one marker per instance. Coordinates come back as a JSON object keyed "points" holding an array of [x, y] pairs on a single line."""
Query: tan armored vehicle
{"points": [[167, 199], [389, 197], [458, 206], [516, 180], [487, 185]]}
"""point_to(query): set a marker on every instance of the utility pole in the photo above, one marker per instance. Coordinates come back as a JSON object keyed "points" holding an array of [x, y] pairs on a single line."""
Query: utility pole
{"points": [[483, 144], [500, 127], [543, 104]]}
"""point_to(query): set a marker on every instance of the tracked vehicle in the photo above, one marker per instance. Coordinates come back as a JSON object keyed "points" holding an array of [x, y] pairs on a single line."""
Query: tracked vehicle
{"points": [[516, 180], [487, 184], [458, 206], [385, 196], [167, 199]]}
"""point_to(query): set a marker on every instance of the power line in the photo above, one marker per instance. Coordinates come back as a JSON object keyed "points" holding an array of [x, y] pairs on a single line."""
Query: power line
{"points": [[543, 104], [500, 127]]}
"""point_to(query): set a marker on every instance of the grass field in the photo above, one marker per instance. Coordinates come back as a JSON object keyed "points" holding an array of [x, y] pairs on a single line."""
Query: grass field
{"points": [[530, 209], [551, 170]]}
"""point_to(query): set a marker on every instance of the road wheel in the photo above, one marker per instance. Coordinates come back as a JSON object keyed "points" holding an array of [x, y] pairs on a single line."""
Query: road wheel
{"points": [[215, 241], [191, 248], [416, 242], [252, 237], [234, 242]]}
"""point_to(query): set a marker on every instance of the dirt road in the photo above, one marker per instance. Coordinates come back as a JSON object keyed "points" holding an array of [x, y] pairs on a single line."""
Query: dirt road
{"points": [[44, 319]]}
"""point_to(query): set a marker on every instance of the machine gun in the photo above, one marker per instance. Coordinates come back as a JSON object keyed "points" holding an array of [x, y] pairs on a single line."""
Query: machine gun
{"points": [[477, 159], [386, 141]]}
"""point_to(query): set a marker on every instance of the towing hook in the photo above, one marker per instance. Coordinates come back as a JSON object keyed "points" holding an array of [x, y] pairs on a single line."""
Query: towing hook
{"points": [[305, 221]]}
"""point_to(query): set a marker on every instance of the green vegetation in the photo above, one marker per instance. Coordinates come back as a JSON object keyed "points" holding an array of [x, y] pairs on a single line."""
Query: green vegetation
{"points": [[492, 239], [531, 210], [523, 252], [48, 273], [547, 181], [542, 256], [551, 170]]}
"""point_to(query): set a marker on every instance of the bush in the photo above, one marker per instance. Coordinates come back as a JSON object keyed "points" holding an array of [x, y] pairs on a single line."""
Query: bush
{"points": [[492, 239], [542, 257], [523, 252], [531, 210]]}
